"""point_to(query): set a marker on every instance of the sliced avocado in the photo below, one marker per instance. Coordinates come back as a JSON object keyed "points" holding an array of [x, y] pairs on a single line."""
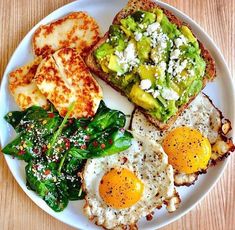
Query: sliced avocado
{"points": [[171, 110], [117, 38], [149, 18], [144, 17], [126, 31], [114, 65], [144, 48], [159, 14], [115, 31], [138, 16], [143, 99], [188, 34], [129, 23], [158, 55], [157, 113], [169, 28], [162, 101], [104, 50], [164, 115], [147, 72], [195, 88], [128, 78], [104, 63], [175, 87], [200, 65], [120, 44]]}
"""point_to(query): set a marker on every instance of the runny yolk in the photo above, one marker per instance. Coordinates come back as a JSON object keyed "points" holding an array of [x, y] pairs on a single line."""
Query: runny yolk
{"points": [[188, 151], [120, 188]]}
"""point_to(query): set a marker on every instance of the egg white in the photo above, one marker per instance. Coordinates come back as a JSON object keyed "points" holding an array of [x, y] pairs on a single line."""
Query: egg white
{"points": [[202, 115], [147, 160]]}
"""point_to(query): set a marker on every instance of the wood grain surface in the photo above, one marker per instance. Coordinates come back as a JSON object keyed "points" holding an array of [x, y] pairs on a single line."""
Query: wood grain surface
{"points": [[215, 212]]}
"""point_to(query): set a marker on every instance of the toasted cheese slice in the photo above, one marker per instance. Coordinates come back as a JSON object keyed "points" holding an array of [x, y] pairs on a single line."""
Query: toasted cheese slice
{"points": [[64, 78], [23, 89], [76, 30]]}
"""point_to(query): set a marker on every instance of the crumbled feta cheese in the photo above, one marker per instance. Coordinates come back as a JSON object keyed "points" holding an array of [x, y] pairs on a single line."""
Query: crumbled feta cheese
{"points": [[125, 67], [178, 42], [129, 52], [128, 58], [170, 67], [183, 38], [163, 45], [162, 65], [159, 38], [138, 36], [153, 27], [175, 54], [150, 90], [155, 93], [191, 72], [145, 84], [181, 67], [169, 94]]}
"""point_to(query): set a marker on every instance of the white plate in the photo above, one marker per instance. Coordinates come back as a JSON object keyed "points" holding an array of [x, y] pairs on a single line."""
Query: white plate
{"points": [[221, 91]]}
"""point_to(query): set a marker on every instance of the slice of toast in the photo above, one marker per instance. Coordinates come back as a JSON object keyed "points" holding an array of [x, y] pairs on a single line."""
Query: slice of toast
{"points": [[131, 7], [75, 30]]}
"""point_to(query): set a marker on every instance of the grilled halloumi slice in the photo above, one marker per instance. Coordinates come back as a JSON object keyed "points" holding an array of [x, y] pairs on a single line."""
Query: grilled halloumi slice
{"points": [[76, 30], [63, 78], [24, 91]]}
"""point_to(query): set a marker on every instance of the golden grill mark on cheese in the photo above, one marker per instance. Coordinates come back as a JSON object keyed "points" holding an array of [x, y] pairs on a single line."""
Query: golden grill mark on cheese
{"points": [[76, 30], [23, 89], [64, 78]]}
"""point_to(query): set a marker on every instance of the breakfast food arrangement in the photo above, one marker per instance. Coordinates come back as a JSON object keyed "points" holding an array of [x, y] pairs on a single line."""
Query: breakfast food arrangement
{"points": [[77, 148]]}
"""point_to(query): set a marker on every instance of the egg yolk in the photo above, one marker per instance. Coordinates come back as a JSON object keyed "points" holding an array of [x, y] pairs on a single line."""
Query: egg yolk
{"points": [[120, 188], [188, 151]]}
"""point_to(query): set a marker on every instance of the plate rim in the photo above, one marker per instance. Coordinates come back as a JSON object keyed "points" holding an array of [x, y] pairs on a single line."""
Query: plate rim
{"points": [[191, 22]]}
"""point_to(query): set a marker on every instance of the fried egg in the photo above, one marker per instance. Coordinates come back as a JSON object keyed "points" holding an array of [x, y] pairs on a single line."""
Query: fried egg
{"points": [[124, 187], [195, 141]]}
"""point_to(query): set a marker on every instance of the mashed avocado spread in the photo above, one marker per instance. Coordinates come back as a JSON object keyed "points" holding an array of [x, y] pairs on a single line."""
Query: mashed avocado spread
{"points": [[155, 63]]}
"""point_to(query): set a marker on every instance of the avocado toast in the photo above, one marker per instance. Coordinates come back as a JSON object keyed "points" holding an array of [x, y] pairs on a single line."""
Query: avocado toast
{"points": [[154, 59]]}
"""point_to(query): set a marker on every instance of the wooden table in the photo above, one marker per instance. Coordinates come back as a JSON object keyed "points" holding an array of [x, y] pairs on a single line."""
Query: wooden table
{"points": [[215, 212]]}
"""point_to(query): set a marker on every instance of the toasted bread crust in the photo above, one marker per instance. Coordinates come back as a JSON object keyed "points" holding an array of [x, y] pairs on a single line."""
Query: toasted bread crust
{"points": [[131, 7]]}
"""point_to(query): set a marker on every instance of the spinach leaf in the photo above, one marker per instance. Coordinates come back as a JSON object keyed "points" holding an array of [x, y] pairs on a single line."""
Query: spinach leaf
{"points": [[110, 142], [14, 117], [39, 122], [60, 129], [106, 118], [21, 148], [48, 184], [75, 188], [72, 166], [56, 148]]}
